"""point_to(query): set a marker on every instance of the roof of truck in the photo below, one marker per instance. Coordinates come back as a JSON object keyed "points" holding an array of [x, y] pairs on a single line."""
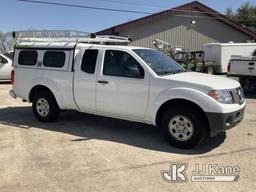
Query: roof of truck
{"points": [[67, 45], [46, 45], [81, 45]]}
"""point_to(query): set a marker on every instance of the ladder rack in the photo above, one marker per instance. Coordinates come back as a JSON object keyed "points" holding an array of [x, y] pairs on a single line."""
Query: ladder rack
{"points": [[68, 36]]}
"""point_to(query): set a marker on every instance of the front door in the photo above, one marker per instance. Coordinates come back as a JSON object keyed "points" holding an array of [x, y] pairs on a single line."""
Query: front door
{"points": [[122, 86]]}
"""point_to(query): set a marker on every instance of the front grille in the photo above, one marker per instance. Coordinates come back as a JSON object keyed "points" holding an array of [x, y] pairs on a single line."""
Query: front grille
{"points": [[238, 95]]}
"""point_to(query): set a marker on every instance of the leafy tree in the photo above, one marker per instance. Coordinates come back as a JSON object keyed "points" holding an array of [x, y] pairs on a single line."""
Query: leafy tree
{"points": [[6, 42], [229, 13], [245, 15]]}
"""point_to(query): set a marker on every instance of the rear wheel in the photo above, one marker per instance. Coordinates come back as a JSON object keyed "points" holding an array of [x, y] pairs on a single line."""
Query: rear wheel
{"points": [[45, 107], [184, 126]]}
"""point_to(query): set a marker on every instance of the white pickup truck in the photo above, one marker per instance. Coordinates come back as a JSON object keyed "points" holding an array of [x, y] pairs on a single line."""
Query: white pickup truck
{"points": [[243, 67], [130, 83]]}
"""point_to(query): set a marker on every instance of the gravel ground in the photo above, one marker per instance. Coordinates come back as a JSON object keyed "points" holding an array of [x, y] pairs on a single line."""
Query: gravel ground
{"points": [[82, 152]]}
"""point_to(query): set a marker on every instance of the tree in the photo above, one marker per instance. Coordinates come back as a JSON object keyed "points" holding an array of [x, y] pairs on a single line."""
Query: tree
{"points": [[229, 13], [6, 42], [245, 15]]}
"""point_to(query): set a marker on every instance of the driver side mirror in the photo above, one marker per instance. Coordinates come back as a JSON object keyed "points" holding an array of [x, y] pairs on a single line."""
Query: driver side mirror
{"points": [[133, 71]]}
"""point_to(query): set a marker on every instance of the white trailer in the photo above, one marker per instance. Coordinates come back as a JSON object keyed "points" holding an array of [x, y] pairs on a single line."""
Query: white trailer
{"points": [[220, 53]]}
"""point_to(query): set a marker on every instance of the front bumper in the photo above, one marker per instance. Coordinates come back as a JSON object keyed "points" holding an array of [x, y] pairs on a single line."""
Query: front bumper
{"points": [[219, 122]]}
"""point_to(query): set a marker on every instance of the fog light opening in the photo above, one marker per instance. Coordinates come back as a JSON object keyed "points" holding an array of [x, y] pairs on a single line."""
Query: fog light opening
{"points": [[228, 124], [229, 121]]}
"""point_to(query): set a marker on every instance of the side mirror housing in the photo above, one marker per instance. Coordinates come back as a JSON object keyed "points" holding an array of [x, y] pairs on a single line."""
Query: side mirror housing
{"points": [[133, 71]]}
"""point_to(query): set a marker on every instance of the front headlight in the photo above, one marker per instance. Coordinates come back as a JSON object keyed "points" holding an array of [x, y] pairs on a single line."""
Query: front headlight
{"points": [[222, 96]]}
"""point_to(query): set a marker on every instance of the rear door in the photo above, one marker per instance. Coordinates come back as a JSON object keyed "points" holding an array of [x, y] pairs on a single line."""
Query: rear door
{"points": [[122, 85], [85, 79]]}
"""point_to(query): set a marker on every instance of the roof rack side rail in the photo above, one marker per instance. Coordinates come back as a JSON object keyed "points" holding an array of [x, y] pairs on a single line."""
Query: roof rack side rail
{"points": [[51, 34], [115, 37], [69, 36]]}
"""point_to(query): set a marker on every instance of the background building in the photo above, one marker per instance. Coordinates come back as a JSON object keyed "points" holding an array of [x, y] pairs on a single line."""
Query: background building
{"points": [[189, 26]]}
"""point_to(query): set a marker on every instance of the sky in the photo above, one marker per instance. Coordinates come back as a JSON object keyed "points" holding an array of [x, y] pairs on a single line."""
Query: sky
{"points": [[17, 15]]}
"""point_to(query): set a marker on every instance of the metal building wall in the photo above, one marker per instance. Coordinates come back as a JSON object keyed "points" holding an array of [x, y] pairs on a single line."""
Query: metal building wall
{"points": [[179, 31]]}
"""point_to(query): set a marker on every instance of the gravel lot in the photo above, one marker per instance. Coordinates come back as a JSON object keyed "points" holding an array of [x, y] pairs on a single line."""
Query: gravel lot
{"points": [[83, 152]]}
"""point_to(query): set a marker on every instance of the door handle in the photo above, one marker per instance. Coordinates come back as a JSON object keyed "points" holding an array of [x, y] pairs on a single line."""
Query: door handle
{"points": [[251, 63], [251, 68], [103, 82]]}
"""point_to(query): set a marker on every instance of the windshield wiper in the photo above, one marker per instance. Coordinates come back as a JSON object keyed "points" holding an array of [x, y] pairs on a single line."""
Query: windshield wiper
{"points": [[180, 71], [165, 72], [170, 72]]}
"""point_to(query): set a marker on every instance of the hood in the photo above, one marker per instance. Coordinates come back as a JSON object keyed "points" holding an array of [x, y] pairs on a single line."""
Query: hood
{"points": [[212, 82]]}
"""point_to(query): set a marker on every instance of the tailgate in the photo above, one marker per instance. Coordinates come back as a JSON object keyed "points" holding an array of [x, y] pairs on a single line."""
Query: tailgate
{"points": [[243, 67]]}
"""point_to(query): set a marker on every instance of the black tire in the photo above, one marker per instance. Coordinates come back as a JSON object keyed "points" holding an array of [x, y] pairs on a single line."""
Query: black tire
{"points": [[54, 110], [243, 82], [199, 123]]}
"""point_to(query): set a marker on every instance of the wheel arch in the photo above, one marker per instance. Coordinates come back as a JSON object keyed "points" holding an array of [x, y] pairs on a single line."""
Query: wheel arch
{"points": [[173, 102], [38, 88]]}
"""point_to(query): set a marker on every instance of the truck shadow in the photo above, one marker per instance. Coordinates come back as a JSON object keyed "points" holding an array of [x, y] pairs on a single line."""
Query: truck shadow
{"points": [[86, 127]]}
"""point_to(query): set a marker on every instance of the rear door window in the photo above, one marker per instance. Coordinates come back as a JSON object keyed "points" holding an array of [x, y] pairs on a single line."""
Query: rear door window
{"points": [[89, 61], [54, 59], [27, 58]]}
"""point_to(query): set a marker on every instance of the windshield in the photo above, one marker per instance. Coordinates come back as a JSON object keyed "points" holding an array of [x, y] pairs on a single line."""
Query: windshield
{"points": [[159, 62]]}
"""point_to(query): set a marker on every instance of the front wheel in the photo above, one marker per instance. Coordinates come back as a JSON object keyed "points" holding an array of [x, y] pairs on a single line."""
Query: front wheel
{"points": [[45, 107], [184, 126]]}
